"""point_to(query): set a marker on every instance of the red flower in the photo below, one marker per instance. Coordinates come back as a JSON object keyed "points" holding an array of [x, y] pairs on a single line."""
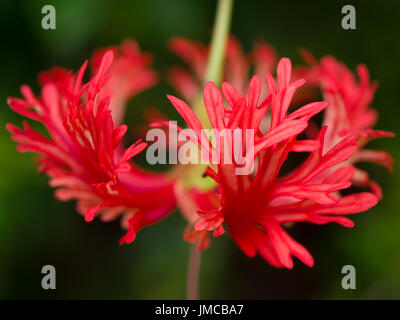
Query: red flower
{"points": [[255, 207], [83, 155], [349, 112]]}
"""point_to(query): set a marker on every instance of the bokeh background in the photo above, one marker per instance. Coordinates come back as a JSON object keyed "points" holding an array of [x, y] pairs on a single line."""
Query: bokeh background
{"points": [[35, 229]]}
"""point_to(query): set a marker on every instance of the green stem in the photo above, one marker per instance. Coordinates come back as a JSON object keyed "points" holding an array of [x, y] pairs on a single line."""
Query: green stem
{"points": [[216, 58], [192, 289], [220, 35], [214, 72]]}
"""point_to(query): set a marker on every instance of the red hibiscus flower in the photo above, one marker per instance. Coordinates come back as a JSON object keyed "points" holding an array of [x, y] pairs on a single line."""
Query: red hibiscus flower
{"points": [[82, 153], [256, 207], [349, 112]]}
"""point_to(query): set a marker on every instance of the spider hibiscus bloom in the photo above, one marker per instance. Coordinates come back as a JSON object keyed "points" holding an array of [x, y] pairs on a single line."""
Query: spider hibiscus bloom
{"points": [[255, 207], [82, 153], [349, 112]]}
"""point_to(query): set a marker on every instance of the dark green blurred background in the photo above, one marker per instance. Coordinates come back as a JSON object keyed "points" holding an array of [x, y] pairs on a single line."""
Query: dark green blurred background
{"points": [[35, 229]]}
